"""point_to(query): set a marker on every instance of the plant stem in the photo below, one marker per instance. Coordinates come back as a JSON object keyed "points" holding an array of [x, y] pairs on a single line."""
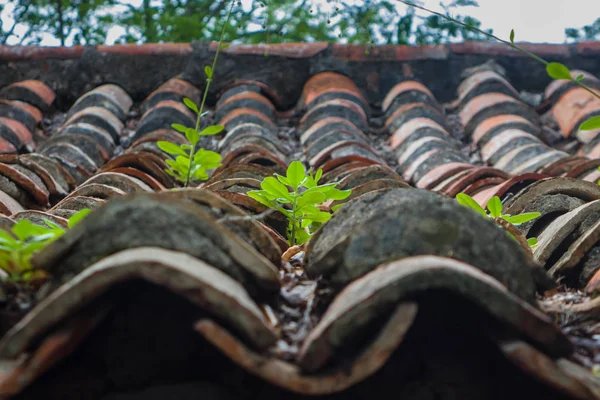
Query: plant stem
{"points": [[205, 95], [581, 85], [294, 222], [491, 36], [15, 262]]}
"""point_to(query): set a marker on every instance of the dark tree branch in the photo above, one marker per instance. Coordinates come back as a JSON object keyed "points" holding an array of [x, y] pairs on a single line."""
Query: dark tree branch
{"points": [[149, 30], [61, 22]]}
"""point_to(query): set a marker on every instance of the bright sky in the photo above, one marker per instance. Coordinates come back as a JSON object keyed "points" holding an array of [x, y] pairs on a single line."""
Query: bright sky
{"points": [[533, 20]]}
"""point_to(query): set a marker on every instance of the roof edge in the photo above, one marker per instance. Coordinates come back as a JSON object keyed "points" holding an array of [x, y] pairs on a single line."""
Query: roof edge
{"points": [[307, 50]]}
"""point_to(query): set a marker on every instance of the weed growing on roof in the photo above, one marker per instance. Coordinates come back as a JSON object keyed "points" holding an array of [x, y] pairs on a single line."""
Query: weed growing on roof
{"points": [[554, 70], [494, 206], [27, 239], [191, 164], [297, 196]]}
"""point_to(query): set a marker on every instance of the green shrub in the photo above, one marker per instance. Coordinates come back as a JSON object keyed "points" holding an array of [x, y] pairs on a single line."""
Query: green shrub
{"points": [[297, 196], [494, 206], [27, 239]]}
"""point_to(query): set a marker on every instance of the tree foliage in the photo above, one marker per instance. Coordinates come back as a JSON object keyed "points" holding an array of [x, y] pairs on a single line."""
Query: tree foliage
{"points": [[70, 21], [253, 21], [88, 22], [588, 32]]}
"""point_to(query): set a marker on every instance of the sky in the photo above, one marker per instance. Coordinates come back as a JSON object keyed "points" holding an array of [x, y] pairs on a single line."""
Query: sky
{"points": [[536, 21]]}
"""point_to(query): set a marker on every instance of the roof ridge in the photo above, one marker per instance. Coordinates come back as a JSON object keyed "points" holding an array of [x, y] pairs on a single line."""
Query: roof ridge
{"points": [[299, 49]]}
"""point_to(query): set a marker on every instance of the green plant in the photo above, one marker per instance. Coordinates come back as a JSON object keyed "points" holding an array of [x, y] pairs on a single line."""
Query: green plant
{"points": [[27, 239], [297, 196], [494, 206], [191, 164], [554, 70]]}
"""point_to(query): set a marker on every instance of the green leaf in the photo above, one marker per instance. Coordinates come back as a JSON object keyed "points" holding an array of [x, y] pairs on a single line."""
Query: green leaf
{"points": [[325, 189], [47, 236], [309, 182], [467, 201], [579, 77], [6, 237], [318, 175], [169, 147], [306, 209], [212, 130], [494, 205], [32, 247], [310, 198], [6, 249], [175, 174], [532, 242], [25, 228], [306, 223], [208, 159], [192, 135], [5, 253], [522, 218], [199, 173], [180, 167], [271, 196], [77, 217], [590, 124], [275, 187], [558, 71], [183, 161], [295, 174], [512, 35], [208, 71], [258, 196], [191, 105], [283, 179], [336, 194], [301, 236], [321, 216], [53, 225], [179, 127]]}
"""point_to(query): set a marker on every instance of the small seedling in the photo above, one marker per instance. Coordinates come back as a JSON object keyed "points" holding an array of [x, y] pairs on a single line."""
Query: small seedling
{"points": [[297, 196], [28, 239], [191, 164], [494, 206]]}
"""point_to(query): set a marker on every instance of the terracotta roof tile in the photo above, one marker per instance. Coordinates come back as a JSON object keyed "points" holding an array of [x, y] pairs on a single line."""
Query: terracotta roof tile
{"points": [[207, 272], [34, 92], [572, 109]]}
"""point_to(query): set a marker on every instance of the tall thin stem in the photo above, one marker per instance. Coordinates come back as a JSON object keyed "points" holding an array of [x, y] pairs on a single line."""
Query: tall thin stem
{"points": [[294, 222], [205, 95]]}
